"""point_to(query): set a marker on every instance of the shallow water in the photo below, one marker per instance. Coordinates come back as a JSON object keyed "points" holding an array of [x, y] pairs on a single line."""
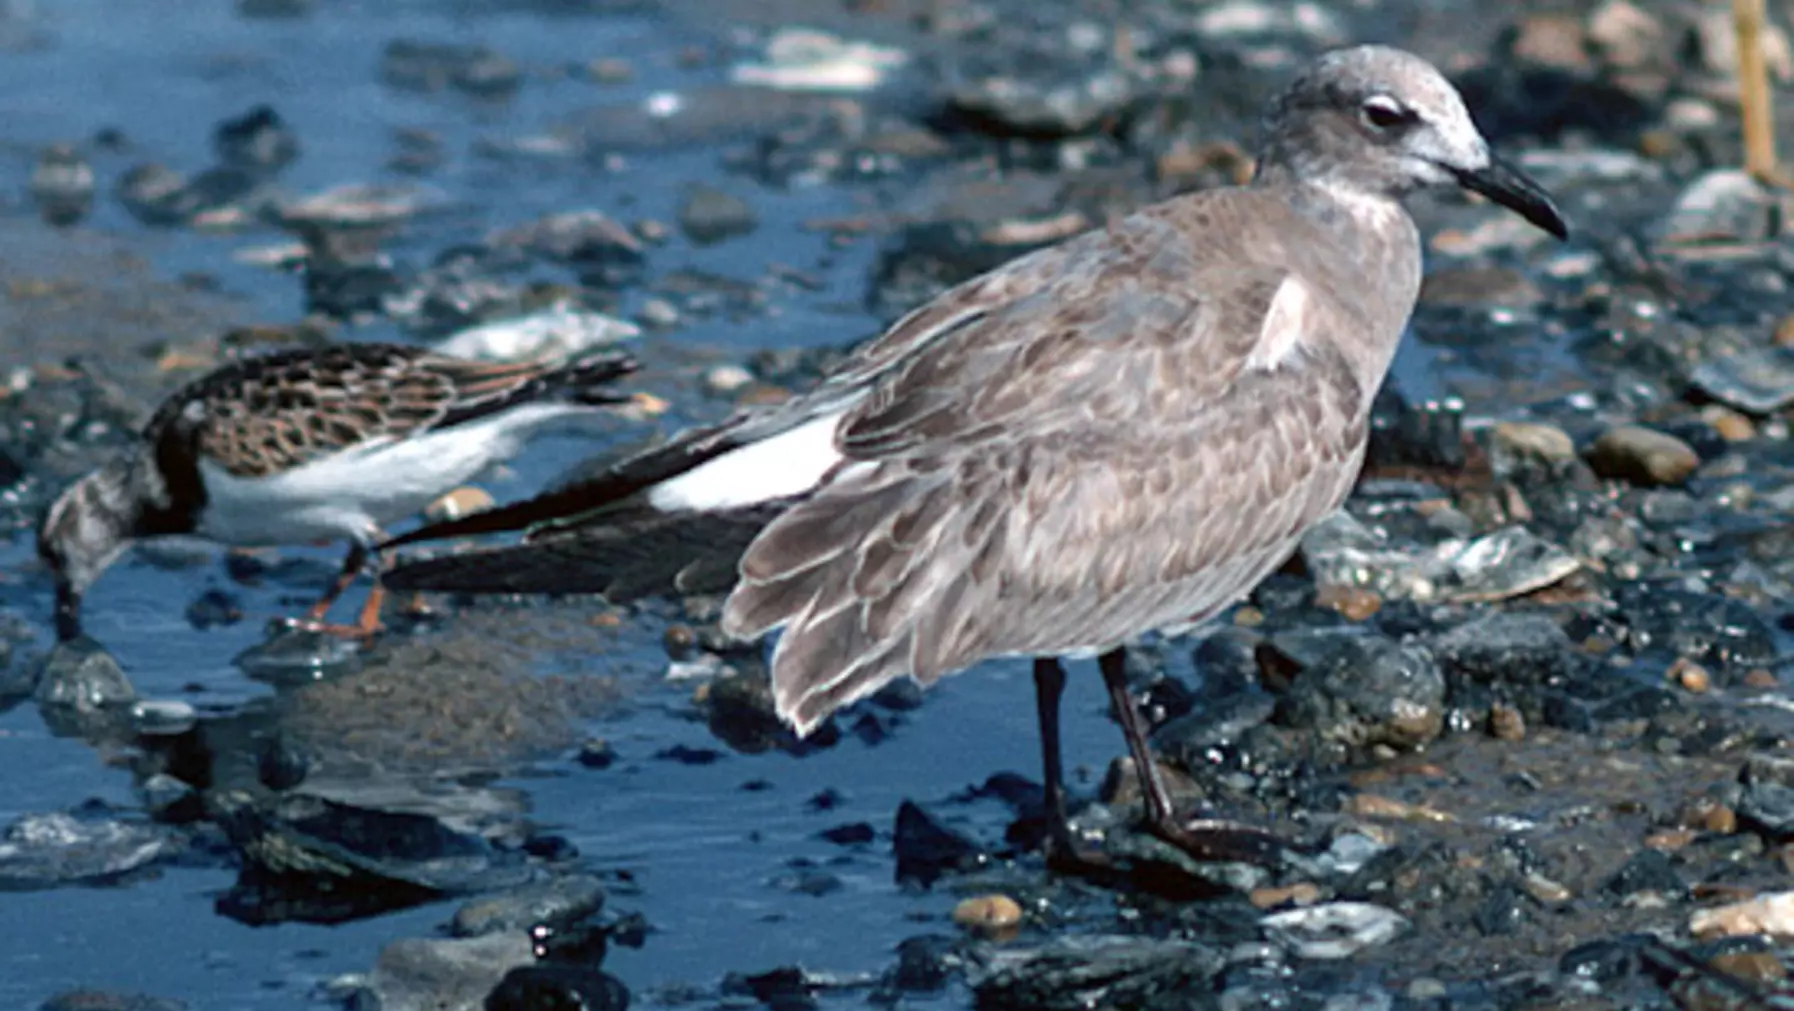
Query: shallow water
{"points": [[707, 854]]}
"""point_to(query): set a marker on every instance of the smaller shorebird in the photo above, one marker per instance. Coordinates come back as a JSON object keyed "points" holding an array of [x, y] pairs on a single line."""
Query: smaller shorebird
{"points": [[307, 446], [1118, 434]]}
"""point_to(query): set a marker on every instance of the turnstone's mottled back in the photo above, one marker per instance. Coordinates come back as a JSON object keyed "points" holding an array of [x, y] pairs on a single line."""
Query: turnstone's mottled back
{"points": [[311, 445], [1121, 433]]}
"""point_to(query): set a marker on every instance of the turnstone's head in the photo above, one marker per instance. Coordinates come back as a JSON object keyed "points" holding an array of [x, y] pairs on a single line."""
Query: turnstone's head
{"points": [[85, 530]]}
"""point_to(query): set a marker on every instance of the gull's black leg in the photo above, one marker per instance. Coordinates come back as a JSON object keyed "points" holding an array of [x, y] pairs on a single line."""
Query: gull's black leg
{"points": [[1049, 685], [1062, 851], [1207, 839]]}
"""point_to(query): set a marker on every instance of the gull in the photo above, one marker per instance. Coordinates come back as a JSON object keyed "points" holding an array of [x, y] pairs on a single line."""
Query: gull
{"points": [[1118, 434], [312, 445]]}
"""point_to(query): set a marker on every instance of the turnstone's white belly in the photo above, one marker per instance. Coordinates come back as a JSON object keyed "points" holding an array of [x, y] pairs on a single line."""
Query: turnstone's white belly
{"points": [[354, 492]]}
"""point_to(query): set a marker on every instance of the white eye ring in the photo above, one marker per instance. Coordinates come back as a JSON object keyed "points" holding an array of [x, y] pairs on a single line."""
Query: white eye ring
{"points": [[1383, 112]]}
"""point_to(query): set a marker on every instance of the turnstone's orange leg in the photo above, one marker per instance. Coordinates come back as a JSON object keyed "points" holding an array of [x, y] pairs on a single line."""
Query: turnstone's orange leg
{"points": [[353, 564], [1754, 97], [369, 623]]}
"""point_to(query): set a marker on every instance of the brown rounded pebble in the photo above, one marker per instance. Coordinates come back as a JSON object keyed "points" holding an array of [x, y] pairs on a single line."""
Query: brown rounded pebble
{"points": [[762, 394], [1546, 890], [1730, 425], [1372, 805], [463, 501], [988, 914], [1757, 677], [1353, 603], [1248, 617], [1670, 840], [1751, 966], [1643, 456], [1302, 893], [1709, 815], [679, 641], [1506, 723], [1690, 675]]}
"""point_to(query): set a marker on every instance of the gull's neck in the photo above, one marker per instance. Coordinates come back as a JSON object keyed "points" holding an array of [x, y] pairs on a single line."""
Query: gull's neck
{"points": [[1375, 255]]}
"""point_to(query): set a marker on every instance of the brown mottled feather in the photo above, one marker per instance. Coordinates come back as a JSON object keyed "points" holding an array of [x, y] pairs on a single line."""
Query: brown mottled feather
{"points": [[1064, 454], [264, 414]]}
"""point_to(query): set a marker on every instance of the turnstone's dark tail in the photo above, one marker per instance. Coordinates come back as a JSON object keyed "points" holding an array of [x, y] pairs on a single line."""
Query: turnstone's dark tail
{"points": [[485, 389]]}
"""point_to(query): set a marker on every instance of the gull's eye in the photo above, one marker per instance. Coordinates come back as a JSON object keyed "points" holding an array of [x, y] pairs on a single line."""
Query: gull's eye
{"points": [[1385, 113]]}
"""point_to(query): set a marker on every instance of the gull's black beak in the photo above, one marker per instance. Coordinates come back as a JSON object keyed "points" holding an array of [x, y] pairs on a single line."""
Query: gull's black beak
{"points": [[1511, 188]]}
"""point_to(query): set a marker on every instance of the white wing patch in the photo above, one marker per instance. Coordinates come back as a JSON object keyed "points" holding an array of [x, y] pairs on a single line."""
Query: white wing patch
{"points": [[1284, 324], [789, 463]]}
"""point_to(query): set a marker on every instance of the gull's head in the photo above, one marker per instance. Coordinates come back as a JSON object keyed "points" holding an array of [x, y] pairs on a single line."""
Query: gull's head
{"points": [[1374, 119]]}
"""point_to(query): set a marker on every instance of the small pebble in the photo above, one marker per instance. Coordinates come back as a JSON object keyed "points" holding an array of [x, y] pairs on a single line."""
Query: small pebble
{"points": [[1533, 440], [1670, 840], [1371, 805], [680, 641], [1643, 456], [992, 915], [658, 313], [1730, 425], [1354, 603], [727, 380], [650, 230], [1710, 815], [1506, 723], [1302, 893], [597, 754], [463, 501], [1546, 890], [709, 215], [1690, 675]]}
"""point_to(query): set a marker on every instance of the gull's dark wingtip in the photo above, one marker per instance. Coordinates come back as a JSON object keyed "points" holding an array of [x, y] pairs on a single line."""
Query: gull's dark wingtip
{"points": [[508, 569]]}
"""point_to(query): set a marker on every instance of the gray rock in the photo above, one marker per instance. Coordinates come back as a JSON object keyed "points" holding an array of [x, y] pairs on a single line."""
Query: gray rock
{"points": [[419, 974], [301, 835], [1334, 930], [555, 902], [81, 676], [1365, 691], [1074, 973], [1501, 645], [1768, 795], [570, 237], [1759, 381], [1516, 444], [709, 215], [1028, 104], [1725, 205], [47, 850], [1341, 551]]}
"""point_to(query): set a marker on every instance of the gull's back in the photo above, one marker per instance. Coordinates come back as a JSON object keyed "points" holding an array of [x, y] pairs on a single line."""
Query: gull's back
{"points": [[1114, 435]]}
